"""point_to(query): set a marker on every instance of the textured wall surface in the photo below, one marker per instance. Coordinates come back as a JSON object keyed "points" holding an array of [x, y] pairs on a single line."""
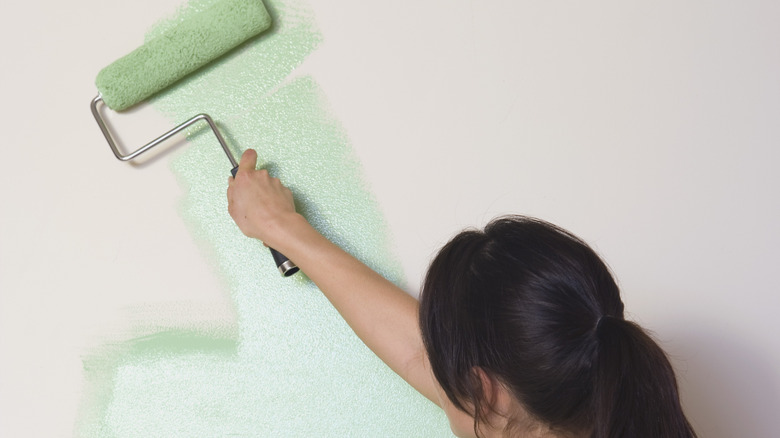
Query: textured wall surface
{"points": [[126, 293]]}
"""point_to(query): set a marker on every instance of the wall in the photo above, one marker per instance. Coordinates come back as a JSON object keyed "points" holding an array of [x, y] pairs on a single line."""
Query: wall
{"points": [[649, 130]]}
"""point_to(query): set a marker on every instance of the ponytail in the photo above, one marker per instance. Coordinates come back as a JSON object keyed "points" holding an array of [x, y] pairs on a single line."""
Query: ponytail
{"points": [[635, 390], [521, 300]]}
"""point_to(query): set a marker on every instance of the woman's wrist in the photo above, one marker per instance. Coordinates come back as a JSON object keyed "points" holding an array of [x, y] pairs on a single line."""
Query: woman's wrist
{"points": [[289, 232]]}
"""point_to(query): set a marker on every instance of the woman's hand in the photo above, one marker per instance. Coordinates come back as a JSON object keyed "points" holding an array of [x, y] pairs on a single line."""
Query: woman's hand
{"points": [[257, 202]]}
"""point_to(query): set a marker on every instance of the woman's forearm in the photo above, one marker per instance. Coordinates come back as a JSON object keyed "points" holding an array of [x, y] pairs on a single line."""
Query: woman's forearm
{"points": [[380, 313]]}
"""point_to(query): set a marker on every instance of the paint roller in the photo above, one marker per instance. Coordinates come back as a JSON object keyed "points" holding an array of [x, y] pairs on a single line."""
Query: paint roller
{"points": [[162, 61]]}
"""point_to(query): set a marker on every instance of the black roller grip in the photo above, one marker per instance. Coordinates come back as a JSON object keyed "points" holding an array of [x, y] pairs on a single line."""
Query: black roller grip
{"points": [[286, 267]]}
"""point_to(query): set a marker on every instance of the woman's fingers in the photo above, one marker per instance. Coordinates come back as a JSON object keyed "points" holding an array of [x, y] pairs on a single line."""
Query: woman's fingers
{"points": [[248, 160]]}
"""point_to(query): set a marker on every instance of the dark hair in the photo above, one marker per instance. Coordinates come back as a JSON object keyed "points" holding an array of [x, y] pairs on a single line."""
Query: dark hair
{"points": [[536, 308]]}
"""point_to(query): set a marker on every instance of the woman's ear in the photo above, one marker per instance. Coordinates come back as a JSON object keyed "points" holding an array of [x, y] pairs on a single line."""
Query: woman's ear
{"points": [[499, 398], [503, 409]]}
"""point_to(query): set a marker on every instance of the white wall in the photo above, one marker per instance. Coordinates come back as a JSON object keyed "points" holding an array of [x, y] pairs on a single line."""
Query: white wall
{"points": [[649, 130]]}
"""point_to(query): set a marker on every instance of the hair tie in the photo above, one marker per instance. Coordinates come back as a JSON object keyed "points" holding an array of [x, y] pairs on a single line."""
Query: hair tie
{"points": [[601, 320]]}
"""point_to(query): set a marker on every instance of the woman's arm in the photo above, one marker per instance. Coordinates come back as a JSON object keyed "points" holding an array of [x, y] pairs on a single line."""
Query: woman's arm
{"points": [[381, 314]]}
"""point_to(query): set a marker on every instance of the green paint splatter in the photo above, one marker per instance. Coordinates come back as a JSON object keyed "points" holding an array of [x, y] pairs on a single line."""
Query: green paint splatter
{"points": [[294, 368]]}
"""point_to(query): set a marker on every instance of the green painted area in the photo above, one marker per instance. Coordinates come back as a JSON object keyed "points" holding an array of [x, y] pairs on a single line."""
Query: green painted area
{"points": [[178, 341], [105, 367], [293, 367]]}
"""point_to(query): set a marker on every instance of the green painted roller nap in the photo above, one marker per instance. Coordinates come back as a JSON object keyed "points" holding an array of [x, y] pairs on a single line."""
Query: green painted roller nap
{"points": [[179, 51], [290, 367]]}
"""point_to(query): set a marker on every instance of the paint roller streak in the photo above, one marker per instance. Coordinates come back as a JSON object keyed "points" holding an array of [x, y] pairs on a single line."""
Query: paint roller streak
{"points": [[102, 367], [297, 369]]}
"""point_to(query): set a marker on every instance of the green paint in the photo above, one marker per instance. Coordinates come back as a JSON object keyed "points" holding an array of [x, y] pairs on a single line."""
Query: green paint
{"points": [[103, 366], [294, 368], [178, 341]]}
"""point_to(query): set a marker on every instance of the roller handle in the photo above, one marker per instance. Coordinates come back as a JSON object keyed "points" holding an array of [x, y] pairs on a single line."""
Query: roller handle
{"points": [[286, 267]]}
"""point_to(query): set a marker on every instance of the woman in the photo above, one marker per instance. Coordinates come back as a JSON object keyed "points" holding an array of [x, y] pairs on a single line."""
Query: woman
{"points": [[519, 331]]}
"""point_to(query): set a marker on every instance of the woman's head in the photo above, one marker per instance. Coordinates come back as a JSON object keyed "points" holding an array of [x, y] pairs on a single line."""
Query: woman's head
{"points": [[534, 308]]}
